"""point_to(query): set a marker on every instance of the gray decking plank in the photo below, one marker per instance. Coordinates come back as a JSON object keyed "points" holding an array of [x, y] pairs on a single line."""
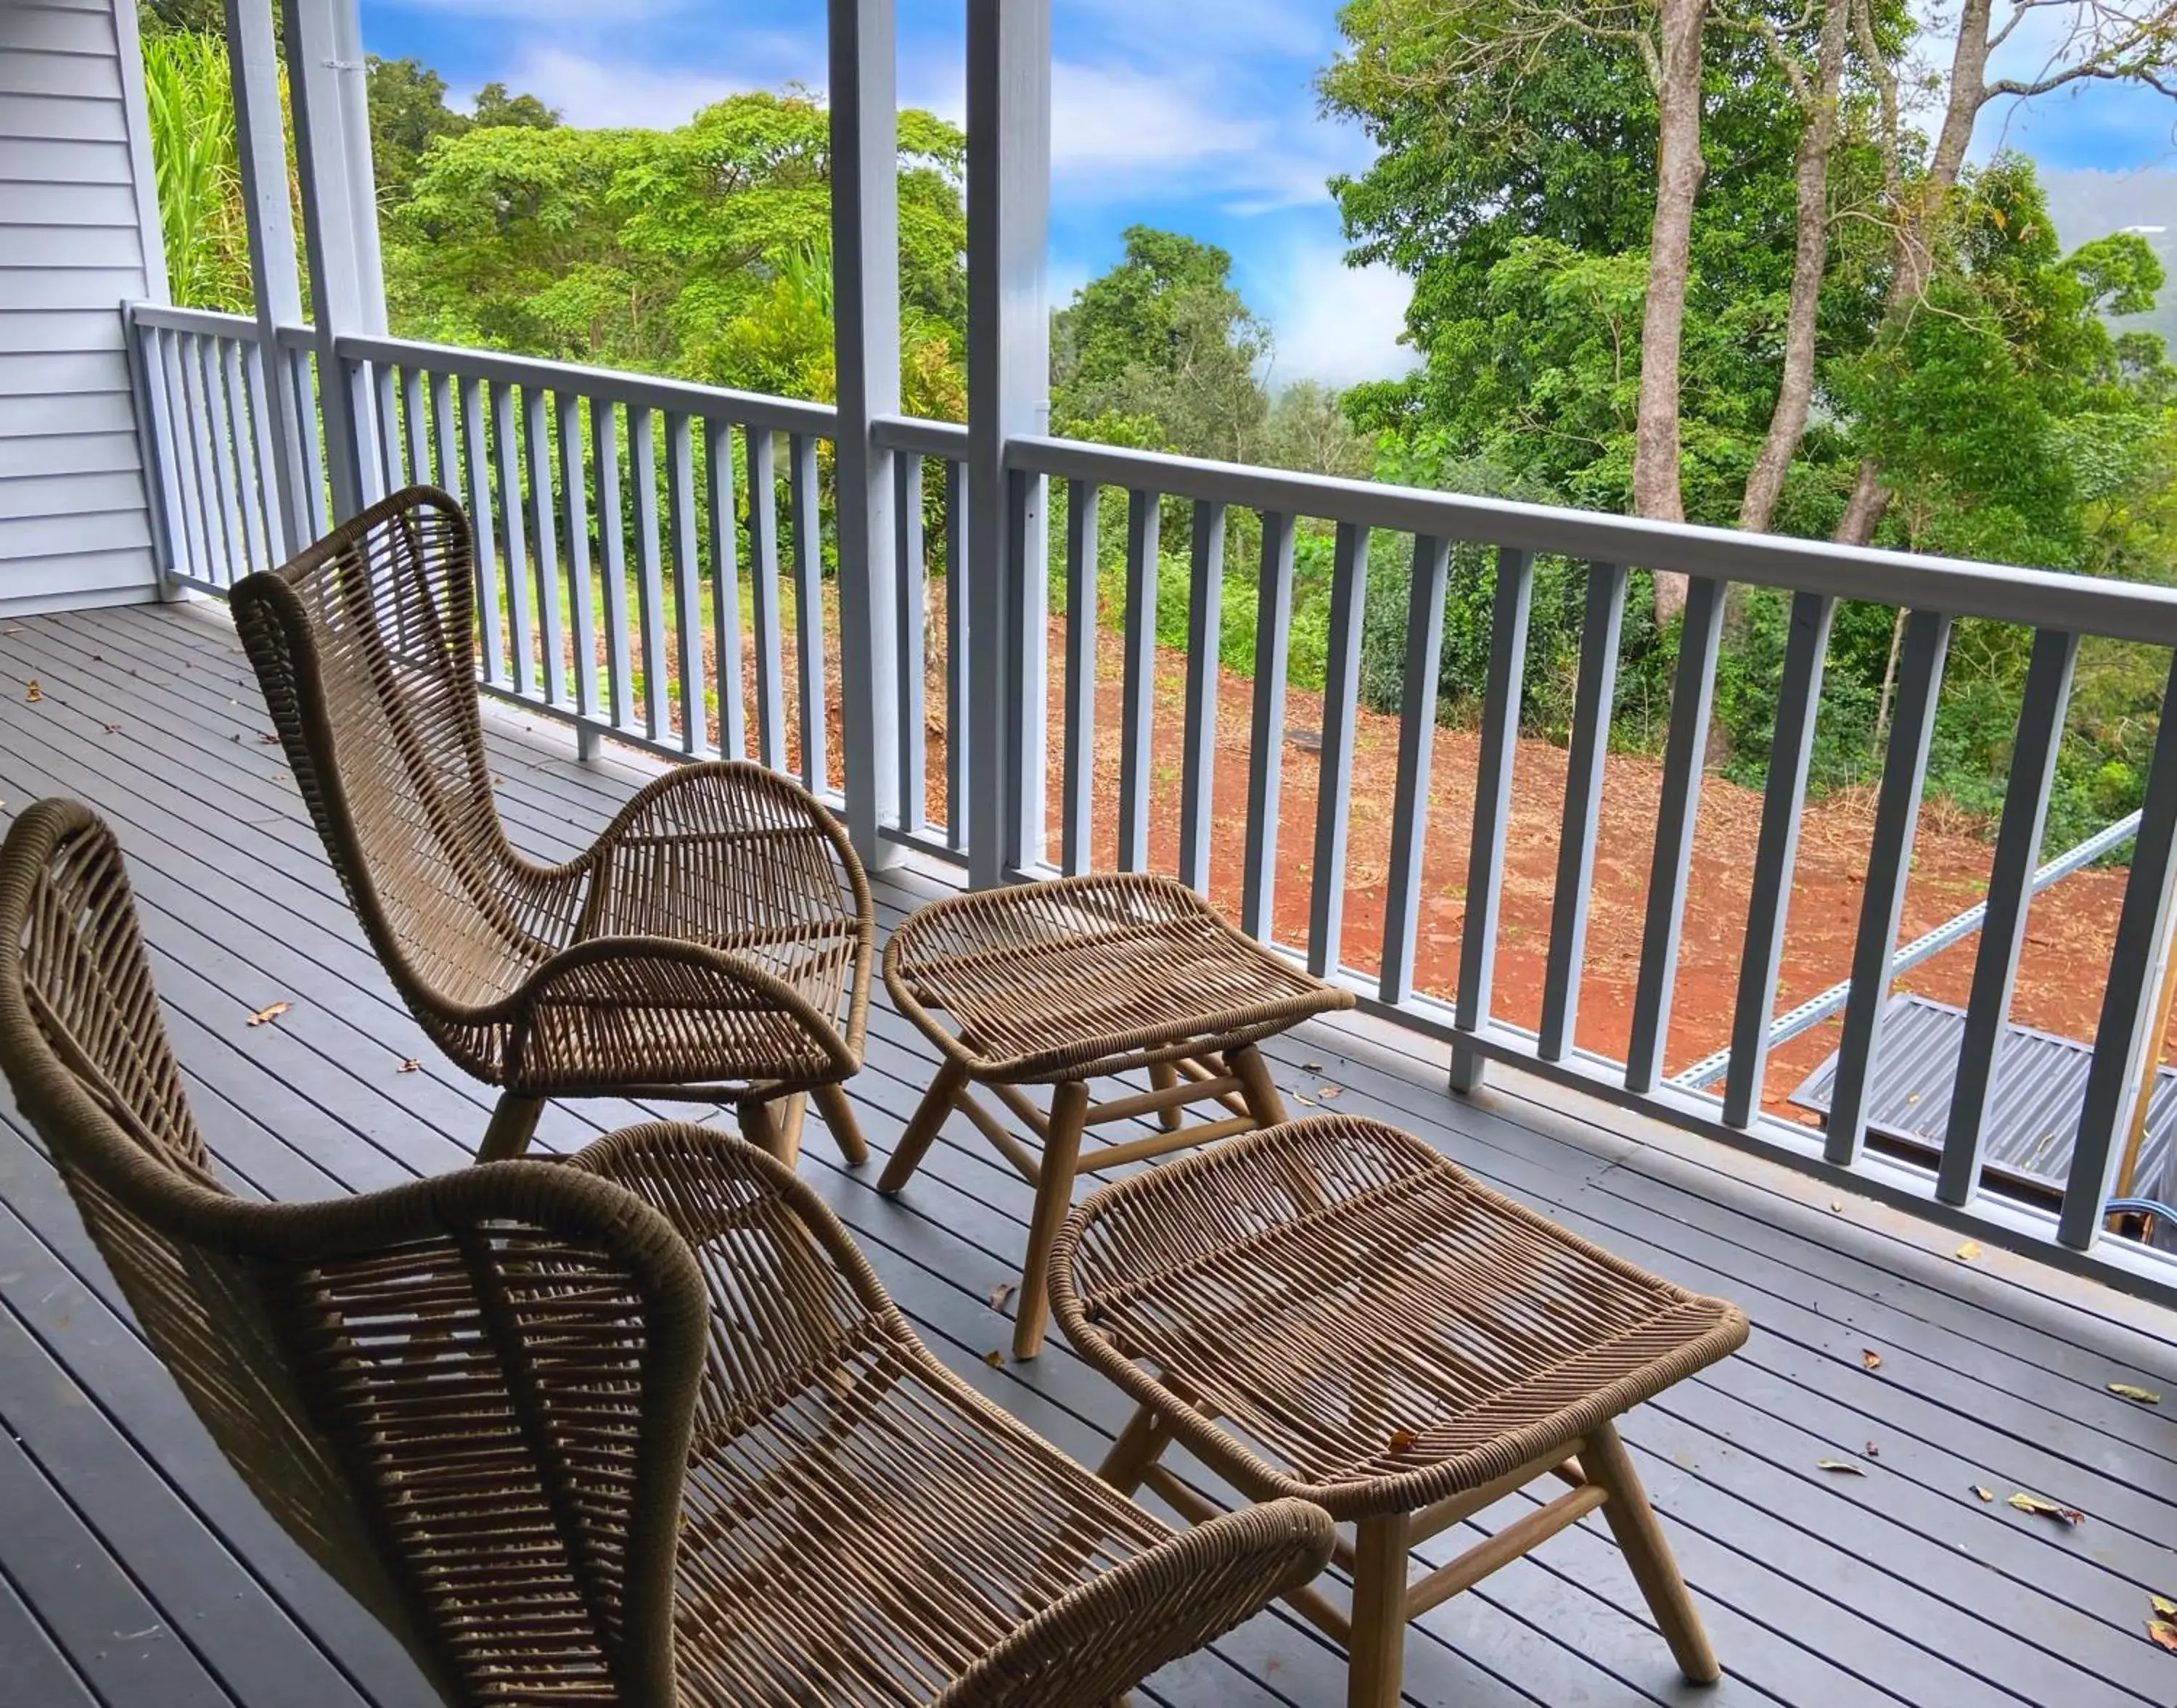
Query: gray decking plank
{"points": [[32, 1670]]}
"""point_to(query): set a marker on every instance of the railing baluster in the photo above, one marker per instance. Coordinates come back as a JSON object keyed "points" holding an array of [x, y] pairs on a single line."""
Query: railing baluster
{"points": [[649, 570], [1685, 752], [687, 579], [770, 639], [415, 420], [1083, 502], [573, 481], [1027, 654], [2033, 750], [251, 478], [1594, 698], [1137, 704], [255, 380], [1267, 738], [478, 471], [612, 553], [913, 663], [725, 586], [544, 541], [1889, 867], [1205, 626], [445, 433], [957, 664], [1409, 809], [519, 575], [1334, 803], [389, 425], [164, 446], [1798, 701], [217, 432], [1492, 804], [2125, 1057], [309, 409], [808, 610]]}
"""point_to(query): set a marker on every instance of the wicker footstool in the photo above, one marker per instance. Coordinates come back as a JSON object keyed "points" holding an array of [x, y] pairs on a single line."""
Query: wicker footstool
{"points": [[1060, 983], [1373, 1331]]}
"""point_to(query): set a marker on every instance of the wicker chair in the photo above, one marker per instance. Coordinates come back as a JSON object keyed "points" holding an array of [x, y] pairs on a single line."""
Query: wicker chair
{"points": [[704, 948], [640, 1430]]}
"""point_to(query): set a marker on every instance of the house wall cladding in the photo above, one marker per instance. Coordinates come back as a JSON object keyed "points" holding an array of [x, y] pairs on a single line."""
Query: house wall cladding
{"points": [[78, 239]]}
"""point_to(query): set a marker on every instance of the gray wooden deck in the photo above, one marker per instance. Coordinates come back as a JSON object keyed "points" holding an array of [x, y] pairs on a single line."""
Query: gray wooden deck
{"points": [[135, 1573]]}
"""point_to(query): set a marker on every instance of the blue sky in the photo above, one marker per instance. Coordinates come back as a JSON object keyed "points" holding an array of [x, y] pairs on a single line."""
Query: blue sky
{"points": [[1196, 115]]}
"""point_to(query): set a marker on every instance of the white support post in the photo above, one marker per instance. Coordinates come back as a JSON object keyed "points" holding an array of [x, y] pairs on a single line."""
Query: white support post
{"points": [[260, 142], [326, 89], [865, 330], [1008, 396]]}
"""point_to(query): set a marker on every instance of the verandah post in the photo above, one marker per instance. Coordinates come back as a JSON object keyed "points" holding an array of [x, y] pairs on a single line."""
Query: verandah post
{"points": [[865, 323], [1008, 396]]}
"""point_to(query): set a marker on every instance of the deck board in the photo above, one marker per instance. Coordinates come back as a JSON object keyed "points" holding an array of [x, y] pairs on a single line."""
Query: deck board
{"points": [[1898, 1587]]}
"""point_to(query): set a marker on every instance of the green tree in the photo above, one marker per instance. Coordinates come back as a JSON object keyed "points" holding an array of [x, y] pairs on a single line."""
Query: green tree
{"points": [[1161, 350], [409, 113]]}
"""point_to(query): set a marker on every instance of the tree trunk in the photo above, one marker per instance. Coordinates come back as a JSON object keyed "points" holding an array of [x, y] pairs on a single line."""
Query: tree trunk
{"points": [[1657, 490], [1795, 392], [1918, 223]]}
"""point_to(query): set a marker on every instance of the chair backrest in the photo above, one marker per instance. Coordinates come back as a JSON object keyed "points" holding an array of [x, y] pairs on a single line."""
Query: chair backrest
{"points": [[524, 1339], [365, 647]]}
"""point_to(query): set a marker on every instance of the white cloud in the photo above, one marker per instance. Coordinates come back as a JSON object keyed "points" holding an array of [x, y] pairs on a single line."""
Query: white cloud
{"points": [[1337, 324], [591, 91]]}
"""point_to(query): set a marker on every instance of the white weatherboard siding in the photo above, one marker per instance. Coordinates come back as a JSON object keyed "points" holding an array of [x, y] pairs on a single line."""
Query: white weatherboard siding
{"points": [[78, 239]]}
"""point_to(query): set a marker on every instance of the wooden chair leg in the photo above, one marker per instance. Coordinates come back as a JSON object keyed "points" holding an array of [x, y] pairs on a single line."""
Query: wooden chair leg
{"points": [[1054, 1197], [1257, 1087], [760, 1128], [1633, 1522], [513, 1125], [838, 1109], [1379, 1612], [1140, 1445], [936, 1104], [1163, 1075]]}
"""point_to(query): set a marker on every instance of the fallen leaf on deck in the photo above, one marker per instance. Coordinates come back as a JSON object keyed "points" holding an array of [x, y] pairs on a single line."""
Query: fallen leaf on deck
{"points": [[32, 692], [1836, 1207], [1327, 1092], [113, 729], [1001, 1293], [2040, 1507], [273, 1013], [1402, 1440], [409, 1067], [1310, 1068], [1872, 1451], [995, 1360], [2162, 1631], [1968, 1251], [2164, 1607], [270, 740], [1840, 1467], [1984, 1494], [1869, 1359], [2138, 1396]]}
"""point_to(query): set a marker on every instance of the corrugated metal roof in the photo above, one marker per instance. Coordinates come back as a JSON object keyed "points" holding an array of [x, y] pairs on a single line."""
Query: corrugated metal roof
{"points": [[2033, 1109]]}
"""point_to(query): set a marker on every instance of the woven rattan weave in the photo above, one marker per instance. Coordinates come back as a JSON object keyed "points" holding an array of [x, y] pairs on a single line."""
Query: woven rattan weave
{"points": [[1371, 1328], [1075, 980], [637, 1430], [715, 942]]}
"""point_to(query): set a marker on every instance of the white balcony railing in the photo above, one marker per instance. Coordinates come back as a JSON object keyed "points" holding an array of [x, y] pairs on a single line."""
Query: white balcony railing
{"points": [[630, 528]]}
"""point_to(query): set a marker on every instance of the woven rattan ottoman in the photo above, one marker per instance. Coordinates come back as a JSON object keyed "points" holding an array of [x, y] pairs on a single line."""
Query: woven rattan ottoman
{"points": [[1372, 1330], [1061, 983]]}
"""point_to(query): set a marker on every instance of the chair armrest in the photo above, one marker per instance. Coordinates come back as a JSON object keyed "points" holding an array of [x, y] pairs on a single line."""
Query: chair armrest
{"points": [[1085, 1649], [685, 1014]]}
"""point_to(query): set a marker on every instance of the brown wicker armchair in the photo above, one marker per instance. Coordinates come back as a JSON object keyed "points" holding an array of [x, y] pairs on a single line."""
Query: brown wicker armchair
{"points": [[705, 947], [637, 1431]]}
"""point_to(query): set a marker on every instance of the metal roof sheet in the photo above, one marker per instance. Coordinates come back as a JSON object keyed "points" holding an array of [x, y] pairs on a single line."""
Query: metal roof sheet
{"points": [[2033, 1106]]}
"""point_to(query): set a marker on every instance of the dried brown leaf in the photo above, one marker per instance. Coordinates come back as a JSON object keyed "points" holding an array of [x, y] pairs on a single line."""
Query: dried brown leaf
{"points": [[1872, 1451], [113, 729], [271, 1013], [1869, 1359], [2138, 1396], [32, 692], [269, 741], [2164, 1607], [1969, 1251], [1310, 1068], [1840, 1467], [1402, 1441], [1001, 1293], [2163, 1633], [1986, 1494], [1327, 1092], [408, 1066], [2042, 1506], [995, 1360]]}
